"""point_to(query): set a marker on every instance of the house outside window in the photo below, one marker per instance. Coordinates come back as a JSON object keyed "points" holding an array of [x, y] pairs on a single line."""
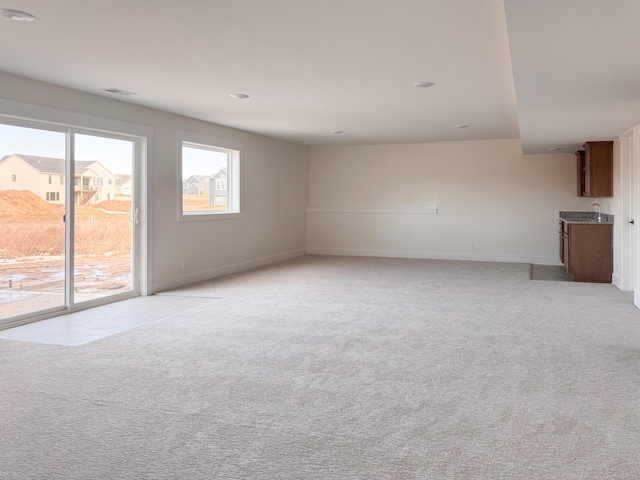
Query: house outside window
{"points": [[50, 179], [201, 161], [13, 178], [61, 180], [221, 183]]}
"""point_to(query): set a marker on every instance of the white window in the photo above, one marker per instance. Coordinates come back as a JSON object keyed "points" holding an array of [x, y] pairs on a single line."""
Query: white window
{"points": [[221, 183], [50, 179], [61, 180], [13, 178], [202, 159]]}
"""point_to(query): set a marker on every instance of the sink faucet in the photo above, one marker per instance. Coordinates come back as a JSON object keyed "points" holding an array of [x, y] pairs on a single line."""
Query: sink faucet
{"points": [[599, 216]]}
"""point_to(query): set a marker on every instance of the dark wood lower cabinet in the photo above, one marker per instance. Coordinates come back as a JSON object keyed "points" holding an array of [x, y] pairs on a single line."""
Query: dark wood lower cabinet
{"points": [[587, 251]]}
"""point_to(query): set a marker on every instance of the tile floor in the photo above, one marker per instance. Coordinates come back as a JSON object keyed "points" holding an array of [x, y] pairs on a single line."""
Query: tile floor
{"points": [[93, 324]]}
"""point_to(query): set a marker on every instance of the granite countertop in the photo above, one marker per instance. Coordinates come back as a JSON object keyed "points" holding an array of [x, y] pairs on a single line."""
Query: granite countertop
{"points": [[586, 217]]}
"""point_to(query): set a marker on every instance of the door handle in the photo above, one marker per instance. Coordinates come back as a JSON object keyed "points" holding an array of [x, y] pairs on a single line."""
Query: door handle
{"points": [[134, 215], [632, 222]]}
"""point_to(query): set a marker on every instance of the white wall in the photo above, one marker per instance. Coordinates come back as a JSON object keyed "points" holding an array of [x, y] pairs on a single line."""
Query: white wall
{"points": [[374, 176], [275, 189], [487, 195]]}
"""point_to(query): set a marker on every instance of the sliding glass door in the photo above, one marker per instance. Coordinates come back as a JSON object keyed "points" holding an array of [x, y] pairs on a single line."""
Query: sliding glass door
{"points": [[65, 243], [104, 217], [32, 229]]}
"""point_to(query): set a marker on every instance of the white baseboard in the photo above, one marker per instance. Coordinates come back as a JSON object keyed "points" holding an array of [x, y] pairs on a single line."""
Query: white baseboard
{"points": [[183, 280], [466, 256], [617, 281]]}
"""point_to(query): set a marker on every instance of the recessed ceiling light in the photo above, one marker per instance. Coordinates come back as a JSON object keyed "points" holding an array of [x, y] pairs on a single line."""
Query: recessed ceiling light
{"points": [[239, 96], [337, 132], [555, 149], [16, 15], [119, 91], [423, 84], [462, 125]]}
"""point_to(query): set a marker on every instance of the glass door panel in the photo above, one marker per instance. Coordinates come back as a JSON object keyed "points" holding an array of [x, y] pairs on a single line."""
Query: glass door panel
{"points": [[103, 216], [32, 229]]}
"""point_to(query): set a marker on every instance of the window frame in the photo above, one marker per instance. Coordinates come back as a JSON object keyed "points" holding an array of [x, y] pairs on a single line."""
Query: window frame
{"points": [[233, 150]]}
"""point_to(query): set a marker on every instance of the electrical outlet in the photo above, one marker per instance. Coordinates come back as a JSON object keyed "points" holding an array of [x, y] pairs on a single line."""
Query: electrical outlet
{"points": [[470, 246]]}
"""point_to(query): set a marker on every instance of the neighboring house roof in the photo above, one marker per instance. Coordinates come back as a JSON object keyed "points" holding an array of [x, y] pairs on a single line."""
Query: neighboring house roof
{"points": [[83, 165], [222, 170], [196, 178], [53, 165], [122, 179], [199, 178], [44, 164]]}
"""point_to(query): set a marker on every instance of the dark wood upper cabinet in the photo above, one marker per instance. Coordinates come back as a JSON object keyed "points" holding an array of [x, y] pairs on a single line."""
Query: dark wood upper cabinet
{"points": [[581, 172], [595, 169]]}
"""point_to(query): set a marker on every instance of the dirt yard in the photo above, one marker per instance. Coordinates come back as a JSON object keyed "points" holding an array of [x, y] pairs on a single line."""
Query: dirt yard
{"points": [[32, 250], [32, 245], [198, 202]]}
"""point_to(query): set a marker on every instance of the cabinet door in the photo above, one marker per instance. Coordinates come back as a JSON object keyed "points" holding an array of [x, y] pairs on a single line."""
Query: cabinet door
{"points": [[581, 172], [566, 249], [598, 169], [561, 242], [590, 252], [588, 175]]}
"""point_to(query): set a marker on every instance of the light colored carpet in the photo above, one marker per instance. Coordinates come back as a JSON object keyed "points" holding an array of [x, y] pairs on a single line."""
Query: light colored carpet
{"points": [[341, 368]]}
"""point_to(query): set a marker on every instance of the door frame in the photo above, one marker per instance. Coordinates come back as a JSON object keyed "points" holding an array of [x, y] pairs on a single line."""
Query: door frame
{"points": [[636, 203], [70, 214], [625, 278]]}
